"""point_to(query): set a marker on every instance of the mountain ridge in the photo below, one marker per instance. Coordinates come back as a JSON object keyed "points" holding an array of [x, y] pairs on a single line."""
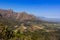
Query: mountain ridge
{"points": [[17, 15], [21, 16]]}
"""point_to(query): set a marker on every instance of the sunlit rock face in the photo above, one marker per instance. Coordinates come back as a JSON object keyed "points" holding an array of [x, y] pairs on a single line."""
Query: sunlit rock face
{"points": [[10, 14]]}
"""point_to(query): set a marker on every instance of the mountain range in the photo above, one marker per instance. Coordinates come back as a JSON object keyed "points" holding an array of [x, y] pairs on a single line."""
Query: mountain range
{"points": [[16, 15], [21, 16]]}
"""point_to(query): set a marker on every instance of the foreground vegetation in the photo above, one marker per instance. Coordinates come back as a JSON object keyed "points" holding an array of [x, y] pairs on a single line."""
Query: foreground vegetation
{"points": [[8, 31]]}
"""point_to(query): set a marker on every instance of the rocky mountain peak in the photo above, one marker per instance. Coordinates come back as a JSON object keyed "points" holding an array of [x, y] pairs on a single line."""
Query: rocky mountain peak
{"points": [[16, 15]]}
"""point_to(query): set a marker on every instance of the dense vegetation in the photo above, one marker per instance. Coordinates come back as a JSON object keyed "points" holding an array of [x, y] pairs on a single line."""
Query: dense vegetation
{"points": [[9, 32]]}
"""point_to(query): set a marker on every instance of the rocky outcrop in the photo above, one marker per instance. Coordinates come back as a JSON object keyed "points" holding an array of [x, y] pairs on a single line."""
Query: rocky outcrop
{"points": [[10, 14]]}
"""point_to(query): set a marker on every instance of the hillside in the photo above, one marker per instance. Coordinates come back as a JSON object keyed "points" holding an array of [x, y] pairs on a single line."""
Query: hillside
{"points": [[15, 15], [24, 26]]}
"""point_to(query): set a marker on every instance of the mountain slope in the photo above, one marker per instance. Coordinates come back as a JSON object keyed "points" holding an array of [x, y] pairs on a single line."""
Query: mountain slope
{"points": [[15, 15], [23, 16]]}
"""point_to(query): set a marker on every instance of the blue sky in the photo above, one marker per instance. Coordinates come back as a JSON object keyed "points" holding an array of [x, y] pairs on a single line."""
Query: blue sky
{"points": [[43, 8]]}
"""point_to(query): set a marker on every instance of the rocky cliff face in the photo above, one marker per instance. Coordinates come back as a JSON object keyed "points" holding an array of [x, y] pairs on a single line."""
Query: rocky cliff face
{"points": [[15, 15]]}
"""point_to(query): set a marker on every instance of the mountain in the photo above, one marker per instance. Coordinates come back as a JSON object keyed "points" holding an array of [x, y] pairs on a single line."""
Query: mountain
{"points": [[23, 16], [11, 18], [15, 15]]}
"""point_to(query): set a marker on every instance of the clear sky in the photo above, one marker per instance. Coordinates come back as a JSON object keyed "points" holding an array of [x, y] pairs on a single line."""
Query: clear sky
{"points": [[44, 8]]}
